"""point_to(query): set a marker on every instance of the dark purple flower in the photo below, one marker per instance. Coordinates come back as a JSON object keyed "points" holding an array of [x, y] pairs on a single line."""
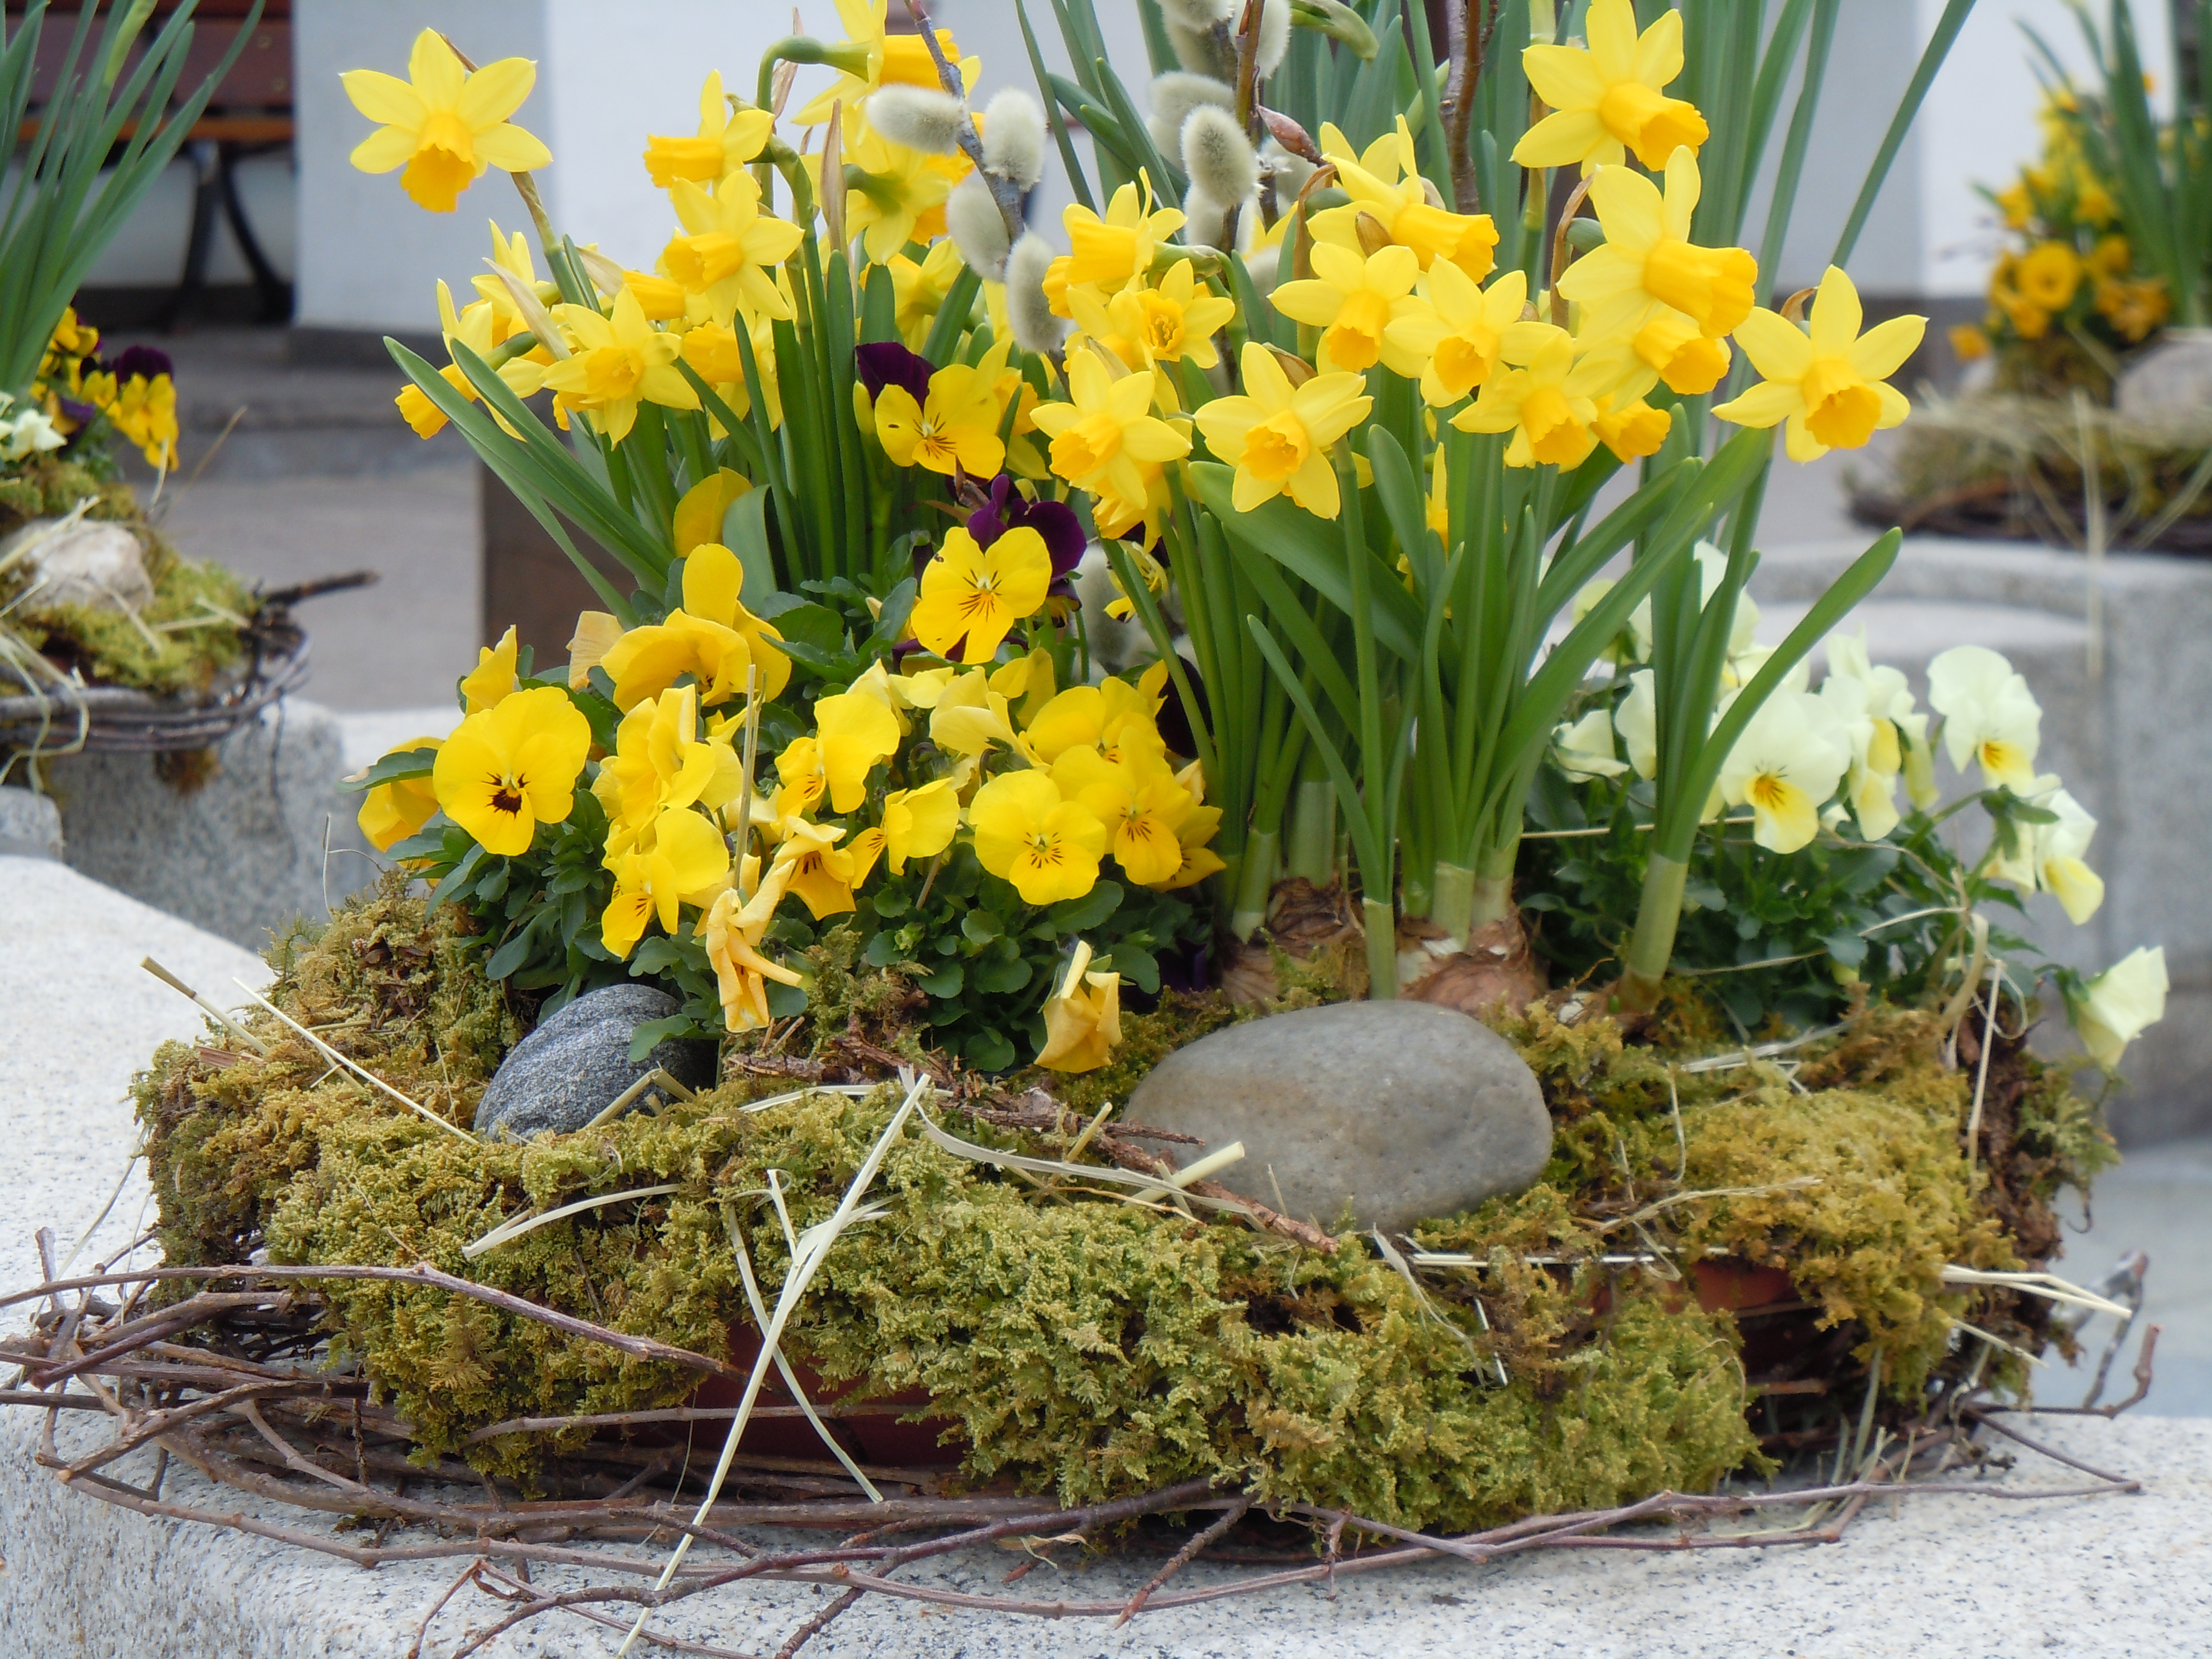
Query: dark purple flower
{"points": [[1009, 509], [142, 360], [83, 414], [888, 363]]}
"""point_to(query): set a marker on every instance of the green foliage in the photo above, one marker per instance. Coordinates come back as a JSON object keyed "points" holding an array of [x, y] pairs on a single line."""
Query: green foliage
{"points": [[193, 635]]}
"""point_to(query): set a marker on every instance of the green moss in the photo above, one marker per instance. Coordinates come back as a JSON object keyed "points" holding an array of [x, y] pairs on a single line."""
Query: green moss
{"points": [[109, 649]]}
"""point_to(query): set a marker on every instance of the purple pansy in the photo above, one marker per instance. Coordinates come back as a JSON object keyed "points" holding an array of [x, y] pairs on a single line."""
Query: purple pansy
{"points": [[1008, 509], [888, 363], [141, 360]]}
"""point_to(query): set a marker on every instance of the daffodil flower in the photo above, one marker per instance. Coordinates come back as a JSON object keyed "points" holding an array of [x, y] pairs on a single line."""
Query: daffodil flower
{"points": [[1171, 323], [681, 859], [1989, 716], [1681, 353], [1399, 203], [971, 596], [870, 56], [918, 824], [2052, 861], [1784, 767], [2120, 1004], [1116, 248], [1609, 99], [1452, 336], [659, 762], [618, 360], [493, 677], [1648, 260], [894, 195], [474, 327], [1829, 391], [1633, 428], [1105, 434], [713, 351], [726, 242], [1549, 406], [711, 635], [512, 767], [920, 291], [444, 124], [1138, 800], [733, 933], [1353, 299], [1027, 833], [512, 255], [1278, 436], [392, 811], [725, 143], [819, 872], [1082, 1018], [1584, 748]]}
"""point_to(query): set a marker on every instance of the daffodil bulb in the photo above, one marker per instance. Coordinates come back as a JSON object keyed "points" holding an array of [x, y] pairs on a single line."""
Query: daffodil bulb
{"points": [[920, 118], [1217, 154], [1171, 98], [978, 230], [1028, 312], [1013, 137], [2120, 1004]]}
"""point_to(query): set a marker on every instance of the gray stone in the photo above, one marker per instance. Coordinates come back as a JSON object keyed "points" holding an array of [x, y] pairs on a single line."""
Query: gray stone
{"points": [[577, 1064], [88, 562], [2171, 382], [1402, 1109], [30, 825]]}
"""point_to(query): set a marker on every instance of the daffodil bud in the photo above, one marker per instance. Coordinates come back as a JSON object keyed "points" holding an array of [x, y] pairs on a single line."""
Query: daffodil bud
{"points": [[920, 118], [1013, 137], [1172, 97], [1274, 36], [1217, 155], [1029, 313], [978, 230]]}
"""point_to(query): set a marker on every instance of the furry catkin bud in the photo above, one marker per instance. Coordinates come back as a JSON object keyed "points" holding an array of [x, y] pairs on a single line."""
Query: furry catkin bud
{"points": [[920, 118], [1217, 155], [1208, 51], [1274, 36], [1013, 137], [1289, 173], [1172, 97], [1198, 14], [1206, 217], [1029, 314], [978, 230]]}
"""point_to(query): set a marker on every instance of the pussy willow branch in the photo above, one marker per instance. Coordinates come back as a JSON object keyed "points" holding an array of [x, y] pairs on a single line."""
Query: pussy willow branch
{"points": [[1004, 191]]}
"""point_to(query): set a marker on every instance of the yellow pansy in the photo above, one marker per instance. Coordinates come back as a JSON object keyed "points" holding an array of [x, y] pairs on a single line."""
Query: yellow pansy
{"points": [[870, 57], [1828, 391], [1198, 860], [733, 933], [1138, 800], [659, 762], [712, 636], [699, 513], [857, 733], [1277, 436], [1353, 299], [1452, 336], [725, 243], [1784, 767], [1609, 99], [595, 636], [1105, 434], [918, 824], [681, 859], [1082, 1018], [512, 767], [972, 596], [618, 360], [819, 872], [726, 142], [956, 429], [493, 677], [1028, 834], [2048, 275], [392, 811], [971, 715], [444, 124], [1991, 718], [1114, 718], [2117, 1006], [1648, 259]]}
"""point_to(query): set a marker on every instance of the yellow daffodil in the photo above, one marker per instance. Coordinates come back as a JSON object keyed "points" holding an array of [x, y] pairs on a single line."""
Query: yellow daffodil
{"points": [[711, 635], [681, 859], [1784, 767], [2120, 1004], [1114, 718], [955, 429], [1609, 99], [1277, 436], [725, 143], [1144, 325], [1028, 834], [1396, 196], [616, 360], [1829, 391], [820, 873], [894, 195], [512, 255], [1648, 260], [475, 328], [1105, 435], [1989, 716], [444, 124], [512, 767], [1452, 335], [972, 596], [1352, 299], [918, 824], [726, 242], [659, 762], [1138, 800], [392, 811], [1082, 1018], [1114, 249], [870, 57], [493, 677], [712, 351], [1630, 430], [1549, 406], [733, 933]]}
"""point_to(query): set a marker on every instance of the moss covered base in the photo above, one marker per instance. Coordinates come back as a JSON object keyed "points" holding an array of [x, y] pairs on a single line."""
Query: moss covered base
{"points": [[1087, 1346]]}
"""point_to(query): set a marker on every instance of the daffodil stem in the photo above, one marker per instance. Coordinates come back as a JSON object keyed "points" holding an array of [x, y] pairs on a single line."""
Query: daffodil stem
{"points": [[1381, 925], [527, 187], [1453, 907], [1491, 897], [1255, 878], [1313, 831], [1652, 945]]}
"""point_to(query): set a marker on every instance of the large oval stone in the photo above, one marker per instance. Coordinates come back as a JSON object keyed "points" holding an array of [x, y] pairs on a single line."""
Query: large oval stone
{"points": [[577, 1064], [1402, 1111]]}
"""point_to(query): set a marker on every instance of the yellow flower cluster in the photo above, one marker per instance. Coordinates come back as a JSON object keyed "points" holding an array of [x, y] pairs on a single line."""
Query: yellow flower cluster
{"points": [[136, 392]]}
